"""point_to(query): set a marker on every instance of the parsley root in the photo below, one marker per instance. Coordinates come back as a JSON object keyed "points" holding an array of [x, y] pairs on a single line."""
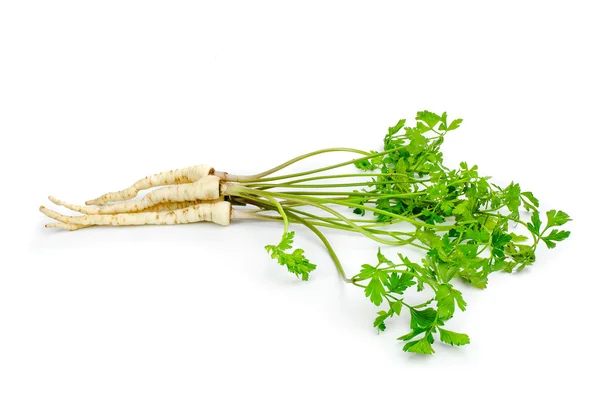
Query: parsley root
{"points": [[219, 213], [95, 211], [401, 196], [206, 188], [182, 175], [167, 206]]}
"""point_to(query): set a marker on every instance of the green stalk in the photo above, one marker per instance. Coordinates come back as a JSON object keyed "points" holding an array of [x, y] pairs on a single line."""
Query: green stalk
{"points": [[320, 235], [282, 212], [331, 167], [247, 191], [364, 174], [324, 222], [325, 242], [319, 186], [340, 193], [318, 202], [248, 178]]}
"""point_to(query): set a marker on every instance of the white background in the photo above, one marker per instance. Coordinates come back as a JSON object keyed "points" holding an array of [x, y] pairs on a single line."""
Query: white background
{"points": [[94, 95]]}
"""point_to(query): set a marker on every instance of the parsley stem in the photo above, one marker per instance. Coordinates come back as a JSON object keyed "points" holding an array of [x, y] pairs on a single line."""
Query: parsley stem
{"points": [[340, 193], [335, 225], [249, 178], [313, 202], [317, 170], [282, 212], [332, 254], [328, 246], [355, 175], [316, 200], [322, 185]]}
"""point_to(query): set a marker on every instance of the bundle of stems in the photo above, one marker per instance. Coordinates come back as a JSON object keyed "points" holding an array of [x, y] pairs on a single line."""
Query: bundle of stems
{"points": [[457, 218]]}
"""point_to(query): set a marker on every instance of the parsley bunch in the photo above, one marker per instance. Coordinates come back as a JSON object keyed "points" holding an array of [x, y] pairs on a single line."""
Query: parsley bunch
{"points": [[460, 220]]}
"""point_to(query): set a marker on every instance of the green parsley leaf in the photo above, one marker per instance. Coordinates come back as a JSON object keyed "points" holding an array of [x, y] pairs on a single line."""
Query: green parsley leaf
{"points": [[393, 130], [535, 203], [455, 124], [535, 225], [446, 297], [398, 284], [379, 321], [557, 218], [429, 118], [375, 290], [396, 307], [381, 259], [366, 272], [422, 318], [421, 346], [453, 338], [412, 334], [555, 235], [295, 262], [512, 197], [499, 240], [365, 165]]}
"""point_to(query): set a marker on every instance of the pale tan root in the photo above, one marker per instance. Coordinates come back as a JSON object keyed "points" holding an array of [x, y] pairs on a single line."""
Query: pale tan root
{"points": [[66, 226], [206, 188], [168, 206], [178, 176], [94, 210], [219, 213]]}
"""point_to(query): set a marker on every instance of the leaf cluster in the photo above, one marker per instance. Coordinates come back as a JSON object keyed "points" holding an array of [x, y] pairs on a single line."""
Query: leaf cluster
{"points": [[295, 261], [468, 233], [387, 282]]}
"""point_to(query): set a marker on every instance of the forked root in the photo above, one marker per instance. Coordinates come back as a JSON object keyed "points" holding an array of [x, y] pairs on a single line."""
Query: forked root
{"points": [[178, 176], [219, 213], [169, 206], [206, 188]]}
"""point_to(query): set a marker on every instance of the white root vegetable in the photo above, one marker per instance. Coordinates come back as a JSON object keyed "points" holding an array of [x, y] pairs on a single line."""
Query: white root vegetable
{"points": [[66, 226], [206, 188], [168, 206], [178, 176], [94, 210], [219, 213]]}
